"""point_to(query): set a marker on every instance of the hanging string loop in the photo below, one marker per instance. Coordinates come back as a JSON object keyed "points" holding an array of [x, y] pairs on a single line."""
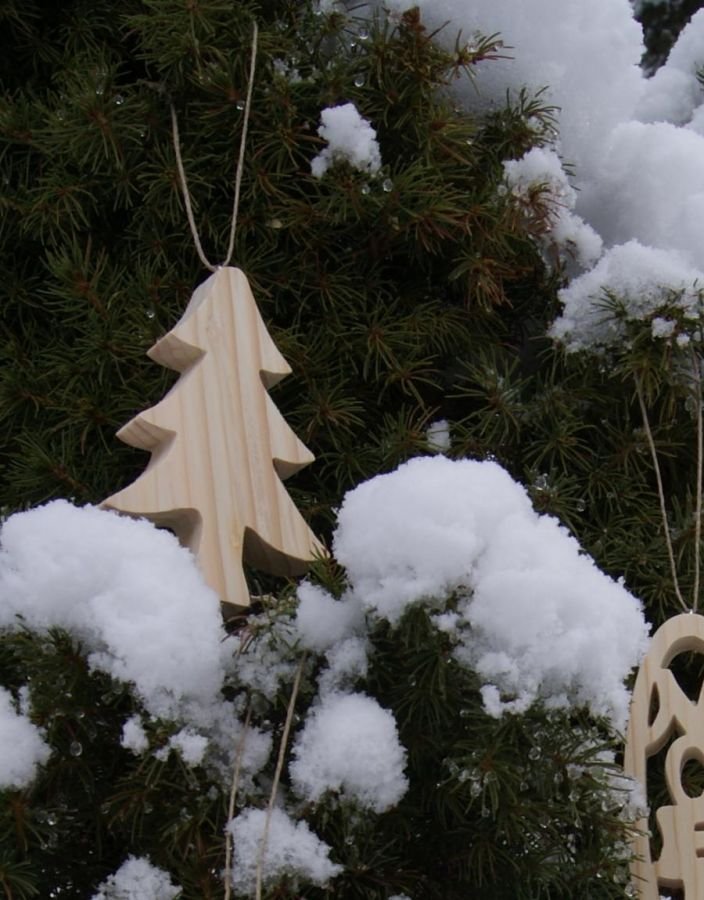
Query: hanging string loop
{"points": [[183, 181]]}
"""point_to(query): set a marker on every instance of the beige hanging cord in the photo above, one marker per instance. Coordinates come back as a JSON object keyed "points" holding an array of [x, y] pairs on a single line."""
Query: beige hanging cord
{"points": [[238, 175], [231, 807], [697, 381], [277, 777], [661, 492]]}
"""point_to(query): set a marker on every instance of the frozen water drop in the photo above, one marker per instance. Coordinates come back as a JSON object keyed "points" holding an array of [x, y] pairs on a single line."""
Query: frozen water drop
{"points": [[387, 185], [76, 748], [359, 81]]}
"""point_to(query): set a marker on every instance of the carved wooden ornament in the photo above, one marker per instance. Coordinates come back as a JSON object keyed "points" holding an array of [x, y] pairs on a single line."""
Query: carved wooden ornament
{"points": [[219, 445], [660, 711]]}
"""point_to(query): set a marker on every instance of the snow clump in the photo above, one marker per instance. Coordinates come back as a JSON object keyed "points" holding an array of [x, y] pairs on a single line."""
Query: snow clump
{"points": [[350, 138], [337, 629], [22, 747], [438, 436], [534, 616], [135, 599], [322, 621], [90, 572], [539, 174], [292, 850], [350, 745], [643, 279], [137, 879], [134, 737], [190, 746]]}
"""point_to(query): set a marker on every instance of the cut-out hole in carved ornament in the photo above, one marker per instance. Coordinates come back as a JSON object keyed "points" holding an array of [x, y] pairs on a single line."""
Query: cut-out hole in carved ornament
{"points": [[658, 794], [693, 779], [688, 669], [654, 705]]}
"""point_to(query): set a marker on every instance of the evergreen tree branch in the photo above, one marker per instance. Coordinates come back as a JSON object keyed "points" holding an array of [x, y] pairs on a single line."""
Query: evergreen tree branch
{"points": [[661, 490]]}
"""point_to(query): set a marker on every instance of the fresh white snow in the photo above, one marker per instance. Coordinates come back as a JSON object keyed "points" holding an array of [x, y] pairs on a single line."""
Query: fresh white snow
{"points": [[137, 602], [128, 591], [350, 138], [134, 737], [540, 170], [635, 144], [350, 745], [643, 279], [535, 616], [137, 879], [292, 849], [438, 436], [22, 747]]}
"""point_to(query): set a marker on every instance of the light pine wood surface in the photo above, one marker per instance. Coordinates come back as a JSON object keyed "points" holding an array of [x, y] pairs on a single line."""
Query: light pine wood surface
{"points": [[660, 713], [219, 446]]}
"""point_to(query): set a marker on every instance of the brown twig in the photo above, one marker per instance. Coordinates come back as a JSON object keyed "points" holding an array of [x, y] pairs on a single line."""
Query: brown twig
{"points": [[277, 776], [661, 491]]}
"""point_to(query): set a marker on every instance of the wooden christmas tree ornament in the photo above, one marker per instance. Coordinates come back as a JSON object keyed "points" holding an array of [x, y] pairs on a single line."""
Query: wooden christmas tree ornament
{"points": [[661, 712], [219, 445]]}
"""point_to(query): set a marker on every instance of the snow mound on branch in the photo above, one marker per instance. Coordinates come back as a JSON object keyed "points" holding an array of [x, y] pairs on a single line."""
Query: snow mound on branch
{"points": [[635, 144], [22, 747], [137, 879], [127, 590], [673, 93], [292, 850], [642, 278], [535, 617], [322, 621], [134, 737], [541, 170], [657, 173], [350, 745], [350, 138], [587, 58], [335, 628], [135, 600]]}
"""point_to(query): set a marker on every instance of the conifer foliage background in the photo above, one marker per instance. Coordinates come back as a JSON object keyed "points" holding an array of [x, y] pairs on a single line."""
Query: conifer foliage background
{"points": [[398, 300]]}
